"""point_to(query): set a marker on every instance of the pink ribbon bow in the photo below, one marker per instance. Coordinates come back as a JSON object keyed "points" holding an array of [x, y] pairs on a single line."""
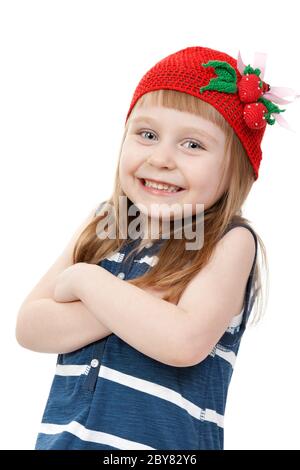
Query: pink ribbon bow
{"points": [[275, 94]]}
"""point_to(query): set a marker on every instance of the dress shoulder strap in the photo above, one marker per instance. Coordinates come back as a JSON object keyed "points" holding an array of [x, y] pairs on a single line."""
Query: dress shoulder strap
{"points": [[249, 287]]}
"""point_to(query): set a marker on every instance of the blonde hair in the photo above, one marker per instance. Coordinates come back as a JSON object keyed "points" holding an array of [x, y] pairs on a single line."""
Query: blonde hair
{"points": [[176, 266]]}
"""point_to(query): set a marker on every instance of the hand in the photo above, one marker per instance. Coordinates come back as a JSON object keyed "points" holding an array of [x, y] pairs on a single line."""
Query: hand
{"points": [[66, 281]]}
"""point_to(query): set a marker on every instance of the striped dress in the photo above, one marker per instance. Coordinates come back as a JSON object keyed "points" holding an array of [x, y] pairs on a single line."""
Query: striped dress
{"points": [[107, 395]]}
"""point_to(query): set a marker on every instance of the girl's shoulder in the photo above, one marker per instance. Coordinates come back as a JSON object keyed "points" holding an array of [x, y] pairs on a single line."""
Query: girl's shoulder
{"points": [[238, 222]]}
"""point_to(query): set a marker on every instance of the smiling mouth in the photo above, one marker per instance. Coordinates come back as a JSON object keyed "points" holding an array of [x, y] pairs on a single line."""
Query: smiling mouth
{"points": [[154, 190]]}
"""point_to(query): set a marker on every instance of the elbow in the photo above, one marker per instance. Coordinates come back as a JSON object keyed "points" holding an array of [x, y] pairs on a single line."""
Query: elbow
{"points": [[25, 340], [23, 331], [20, 332], [20, 339], [186, 359], [188, 354], [23, 343]]}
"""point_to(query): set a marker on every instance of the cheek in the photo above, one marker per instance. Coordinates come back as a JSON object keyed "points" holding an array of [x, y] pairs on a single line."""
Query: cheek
{"points": [[128, 166], [126, 162], [203, 182], [131, 156], [205, 174], [197, 178]]}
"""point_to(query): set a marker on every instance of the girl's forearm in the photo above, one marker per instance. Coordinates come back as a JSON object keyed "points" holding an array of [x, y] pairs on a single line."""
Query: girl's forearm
{"points": [[45, 325], [153, 326]]}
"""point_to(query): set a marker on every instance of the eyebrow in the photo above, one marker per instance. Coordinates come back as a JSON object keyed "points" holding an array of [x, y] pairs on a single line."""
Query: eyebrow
{"points": [[184, 129]]}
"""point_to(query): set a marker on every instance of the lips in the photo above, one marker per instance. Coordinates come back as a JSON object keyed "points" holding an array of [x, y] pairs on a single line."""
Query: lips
{"points": [[159, 192], [161, 182]]}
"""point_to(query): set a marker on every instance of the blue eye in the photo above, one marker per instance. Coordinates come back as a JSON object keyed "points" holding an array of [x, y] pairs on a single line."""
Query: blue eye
{"points": [[196, 143], [148, 132], [192, 141]]}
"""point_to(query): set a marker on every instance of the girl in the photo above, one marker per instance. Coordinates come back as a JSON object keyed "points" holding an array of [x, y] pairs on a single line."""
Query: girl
{"points": [[146, 326]]}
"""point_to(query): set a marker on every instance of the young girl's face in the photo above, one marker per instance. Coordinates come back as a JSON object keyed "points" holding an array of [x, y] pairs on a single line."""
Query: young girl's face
{"points": [[175, 147]]}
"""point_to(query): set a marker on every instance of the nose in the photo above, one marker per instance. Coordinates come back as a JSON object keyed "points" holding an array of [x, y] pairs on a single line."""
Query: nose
{"points": [[162, 156]]}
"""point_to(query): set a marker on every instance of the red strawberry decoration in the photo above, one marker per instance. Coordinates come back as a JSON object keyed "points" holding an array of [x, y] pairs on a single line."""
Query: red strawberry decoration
{"points": [[250, 86], [250, 89], [254, 115]]}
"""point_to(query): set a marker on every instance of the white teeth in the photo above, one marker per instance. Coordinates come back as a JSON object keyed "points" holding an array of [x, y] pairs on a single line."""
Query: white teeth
{"points": [[171, 189]]}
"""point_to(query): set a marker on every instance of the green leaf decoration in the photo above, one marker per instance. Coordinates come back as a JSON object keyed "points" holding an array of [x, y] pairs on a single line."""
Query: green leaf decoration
{"points": [[250, 70], [226, 80], [272, 108]]}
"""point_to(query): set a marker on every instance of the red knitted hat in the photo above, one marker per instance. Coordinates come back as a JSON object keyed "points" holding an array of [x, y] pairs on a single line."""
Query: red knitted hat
{"points": [[234, 90]]}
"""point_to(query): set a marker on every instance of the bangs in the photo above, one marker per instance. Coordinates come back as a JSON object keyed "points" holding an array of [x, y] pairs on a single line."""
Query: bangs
{"points": [[184, 102]]}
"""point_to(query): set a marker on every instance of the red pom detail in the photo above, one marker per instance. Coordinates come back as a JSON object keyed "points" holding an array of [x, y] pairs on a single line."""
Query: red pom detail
{"points": [[254, 115], [249, 89]]}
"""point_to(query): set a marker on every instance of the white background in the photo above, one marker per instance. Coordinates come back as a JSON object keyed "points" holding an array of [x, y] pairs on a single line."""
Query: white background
{"points": [[68, 72]]}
